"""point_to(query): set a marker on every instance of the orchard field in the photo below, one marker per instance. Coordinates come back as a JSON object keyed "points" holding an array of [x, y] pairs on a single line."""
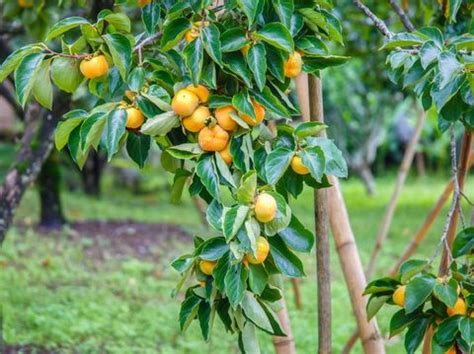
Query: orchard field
{"points": [[71, 302]]}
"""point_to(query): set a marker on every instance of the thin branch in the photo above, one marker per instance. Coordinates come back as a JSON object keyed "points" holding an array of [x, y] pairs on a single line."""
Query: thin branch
{"points": [[379, 24], [149, 40], [403, 16]]}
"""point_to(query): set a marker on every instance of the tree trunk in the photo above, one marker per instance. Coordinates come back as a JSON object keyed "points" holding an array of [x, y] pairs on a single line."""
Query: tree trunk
{"points": [[92, 173], [49, 185], [420, 164], [36, 145], [352, 268], [321, 221], [368, 179], [401, 177], [295, 283], [283, 345]]}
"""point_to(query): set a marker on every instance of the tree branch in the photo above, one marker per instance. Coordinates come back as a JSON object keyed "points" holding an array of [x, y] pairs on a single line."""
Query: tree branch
{"points": [[403, 16], [378, 23]]}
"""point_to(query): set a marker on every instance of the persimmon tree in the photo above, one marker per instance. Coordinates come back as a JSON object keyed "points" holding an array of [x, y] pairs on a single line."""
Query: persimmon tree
{"points": [[202, 81], [436, 62]]}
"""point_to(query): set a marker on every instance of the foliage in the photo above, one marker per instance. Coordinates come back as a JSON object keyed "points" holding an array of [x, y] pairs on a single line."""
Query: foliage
{"points": [[241, 54]]}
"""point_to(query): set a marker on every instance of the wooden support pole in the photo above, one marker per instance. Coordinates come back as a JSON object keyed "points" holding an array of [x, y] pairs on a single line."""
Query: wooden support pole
{"points": [[295, 283], [283, 345], [401, 177], [321, 220], [352, 268]]}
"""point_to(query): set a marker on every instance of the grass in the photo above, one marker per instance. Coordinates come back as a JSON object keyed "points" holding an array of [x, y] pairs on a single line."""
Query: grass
{"points": [[124, 306]]}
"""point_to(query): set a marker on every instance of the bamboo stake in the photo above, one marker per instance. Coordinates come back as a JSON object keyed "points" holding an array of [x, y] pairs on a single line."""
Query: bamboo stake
{"points": [[352, 268], [303, 95], [321, 220], [283, 345], [295, 283], [392, 205]]}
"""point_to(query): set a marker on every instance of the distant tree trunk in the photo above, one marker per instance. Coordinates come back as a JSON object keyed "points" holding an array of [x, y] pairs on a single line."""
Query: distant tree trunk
{"points": [[92, 173], [420, 164], [49, 185], [367, 178]]}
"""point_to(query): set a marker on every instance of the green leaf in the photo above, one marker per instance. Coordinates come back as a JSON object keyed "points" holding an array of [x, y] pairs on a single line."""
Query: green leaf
{"points": [[284, 9], [257, 62], [205, 321], [258, 278], [181, 177], [267, 99], [224, 170], [236, 65], [194, 59], [466, 328], [151, 16], [381, 285], [185, 151], [214, 215], [335, 162], [250, 8], [447, 330], [429, 52], [400, 320], [417, 292], [375, 304], [42, 88], [173, 32], [297, 237], [65, 25], [403, 40], [233, 219], [415, 334], [277, 163], [410, 268], [188, 312], [66, 74], [446, 292], [160, 124], [138, 146], [119, 20], [213, 249], [313, 64], [255, 313], [285, 260], [235, 283], [212, 44], [14, 59], [114, 130], [276, 35], [306, 129], [121, 51], [241, 101], [182, 263], [233, 39], [282, 217], [25, 76], [248, 341], [91, 130], [311, 45], [206, 170], [448, 66], [313, 159], [248, 186], [441, 96], [464, 243], [64, 129]]}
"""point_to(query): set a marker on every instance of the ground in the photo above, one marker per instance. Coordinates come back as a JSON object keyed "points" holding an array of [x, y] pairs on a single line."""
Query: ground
{"points": [[96, 288]]}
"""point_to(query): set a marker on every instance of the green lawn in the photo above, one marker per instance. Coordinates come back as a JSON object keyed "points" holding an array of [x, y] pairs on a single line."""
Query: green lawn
{"points": [[124, 306]]}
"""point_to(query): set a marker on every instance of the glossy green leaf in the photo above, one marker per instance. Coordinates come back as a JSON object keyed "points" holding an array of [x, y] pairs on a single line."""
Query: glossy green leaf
{"points": [[285, 260], [233, 219], [257, 62], [25, 76], [212, 44], [66, 74], [138, 147], [297, 237], [276, 35], [42, 88], [121, 51], [114, 130], [417, 292], [65, 25], [277, 163], [194, 59], [206, 170]]}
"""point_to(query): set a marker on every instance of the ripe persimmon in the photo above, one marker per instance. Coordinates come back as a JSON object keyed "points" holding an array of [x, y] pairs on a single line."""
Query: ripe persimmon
{"points": [[459, 308], [259, 114], [263, 249], [135, 118], [25, 4], [298, 167], [94, 67], [293, 65], [184, 102], [201, 91], [207, 267], [143, 3], [213, 138], [224, 119], [398, 296], [265, 207], [226, 155], [196, 121]]}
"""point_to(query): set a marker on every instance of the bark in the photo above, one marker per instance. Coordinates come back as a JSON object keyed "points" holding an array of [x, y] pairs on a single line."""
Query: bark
{"points": [[36, 145], [352, 268], [401, 177], [368, 179], [303, 95], [92, 173], [49, 185], [321, 220], [420, 164]]}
